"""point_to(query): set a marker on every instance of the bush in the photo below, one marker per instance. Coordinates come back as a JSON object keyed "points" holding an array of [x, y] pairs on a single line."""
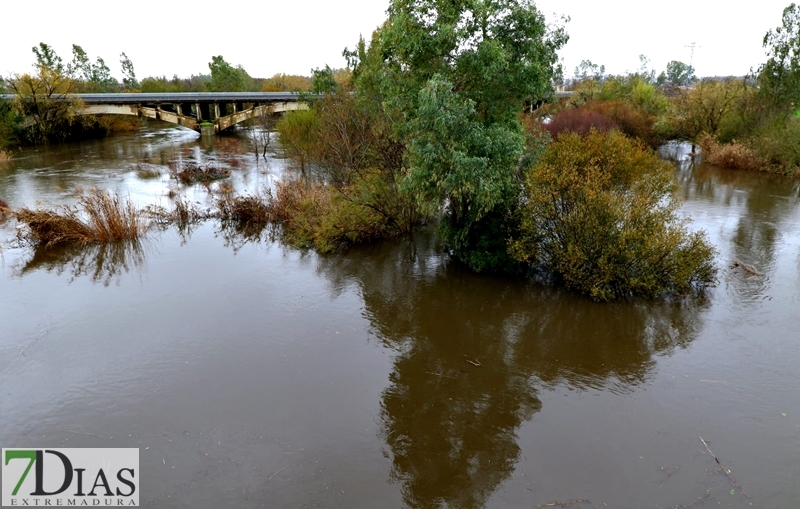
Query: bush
{"points": [[579, 120], [320, 217], [636, 123], [99, 217], [600, 215], [776, 143]]}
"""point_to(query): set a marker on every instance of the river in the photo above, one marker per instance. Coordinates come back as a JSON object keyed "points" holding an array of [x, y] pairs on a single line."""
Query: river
{"points": [[252, 374]]}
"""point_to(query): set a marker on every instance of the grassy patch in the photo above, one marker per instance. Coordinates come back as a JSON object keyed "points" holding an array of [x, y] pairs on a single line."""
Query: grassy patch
{"points": [[99, 217], [4, 155]]}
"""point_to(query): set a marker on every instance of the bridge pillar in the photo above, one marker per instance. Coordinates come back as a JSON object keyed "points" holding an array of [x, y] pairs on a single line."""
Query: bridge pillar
{"points": [[216, 111], [199, 110]]}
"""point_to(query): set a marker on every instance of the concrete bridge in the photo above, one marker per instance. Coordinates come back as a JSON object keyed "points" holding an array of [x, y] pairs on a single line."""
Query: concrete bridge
{"points": [[195, 110]]}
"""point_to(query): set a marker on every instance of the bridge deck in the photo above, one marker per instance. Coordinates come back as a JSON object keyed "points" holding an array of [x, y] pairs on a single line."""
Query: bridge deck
{"points": [[185, 97]]}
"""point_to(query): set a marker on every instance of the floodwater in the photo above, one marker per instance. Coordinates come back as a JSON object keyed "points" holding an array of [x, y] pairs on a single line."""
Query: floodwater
{"points": [[251, 374]]}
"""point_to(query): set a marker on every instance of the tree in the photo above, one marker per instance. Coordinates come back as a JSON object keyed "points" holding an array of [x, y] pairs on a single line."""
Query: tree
{"points": [[42, 97], [227, 78], [779, 77], [323, 81], [715, 107], [586, 70], [677, 74], [454, 77], [46, 57], [91, 77], [129, 81]]}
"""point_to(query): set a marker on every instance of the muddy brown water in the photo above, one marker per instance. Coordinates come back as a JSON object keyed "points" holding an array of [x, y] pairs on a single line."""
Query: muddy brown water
{"points": [[251, 374]]}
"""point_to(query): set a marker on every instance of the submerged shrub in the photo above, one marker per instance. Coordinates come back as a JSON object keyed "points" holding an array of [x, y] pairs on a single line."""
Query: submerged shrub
{"points": [[600, 215], [579, 120], [320, 217], [99, 217], [734, 155]]}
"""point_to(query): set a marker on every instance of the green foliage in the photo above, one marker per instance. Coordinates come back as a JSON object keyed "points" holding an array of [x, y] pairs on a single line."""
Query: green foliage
{"points": [[90, 77], [129, 81], [779, 77], [42, 98], [600, 215], [678, 74], [321, 217], [47, 58], [453, 76], [9, 123], [297, 130], [227, 78], [457, 159], [776, 142], [721, 108], [323, 81]]}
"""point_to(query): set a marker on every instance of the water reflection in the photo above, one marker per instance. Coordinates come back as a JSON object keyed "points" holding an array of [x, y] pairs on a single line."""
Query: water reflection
{"points": [[102, 262], [473, 354]]}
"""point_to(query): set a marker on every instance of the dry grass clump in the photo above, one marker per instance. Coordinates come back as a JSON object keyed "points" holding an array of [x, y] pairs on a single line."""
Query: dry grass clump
{"points": [[729, 155], [191, 173], [5, 156], [248, 209], [99, 217]]}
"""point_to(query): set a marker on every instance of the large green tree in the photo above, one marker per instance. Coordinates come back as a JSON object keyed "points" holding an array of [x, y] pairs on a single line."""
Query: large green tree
{"points": [[454, 75], [227, 78], [779, 77]]}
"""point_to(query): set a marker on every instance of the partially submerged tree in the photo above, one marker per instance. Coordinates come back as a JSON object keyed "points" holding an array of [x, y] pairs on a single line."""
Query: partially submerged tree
{"points": [[454, 77]]}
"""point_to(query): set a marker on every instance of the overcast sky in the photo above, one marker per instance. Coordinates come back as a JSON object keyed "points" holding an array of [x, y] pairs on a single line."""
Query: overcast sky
{"points": [[268, 36]]}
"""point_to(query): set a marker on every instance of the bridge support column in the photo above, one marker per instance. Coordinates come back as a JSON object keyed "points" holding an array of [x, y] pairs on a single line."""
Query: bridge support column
{"points": [[207, 129], [199, 110], [216, 111]]}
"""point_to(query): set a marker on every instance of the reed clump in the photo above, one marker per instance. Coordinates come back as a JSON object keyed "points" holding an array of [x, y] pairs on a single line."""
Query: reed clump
{"points": [[100, 216], [254, 209], [4, 156], [191, 173]]}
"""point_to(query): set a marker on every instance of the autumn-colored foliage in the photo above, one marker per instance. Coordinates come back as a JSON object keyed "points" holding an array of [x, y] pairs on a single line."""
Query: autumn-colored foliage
{"points": [[579, 120], [600, 215]]}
